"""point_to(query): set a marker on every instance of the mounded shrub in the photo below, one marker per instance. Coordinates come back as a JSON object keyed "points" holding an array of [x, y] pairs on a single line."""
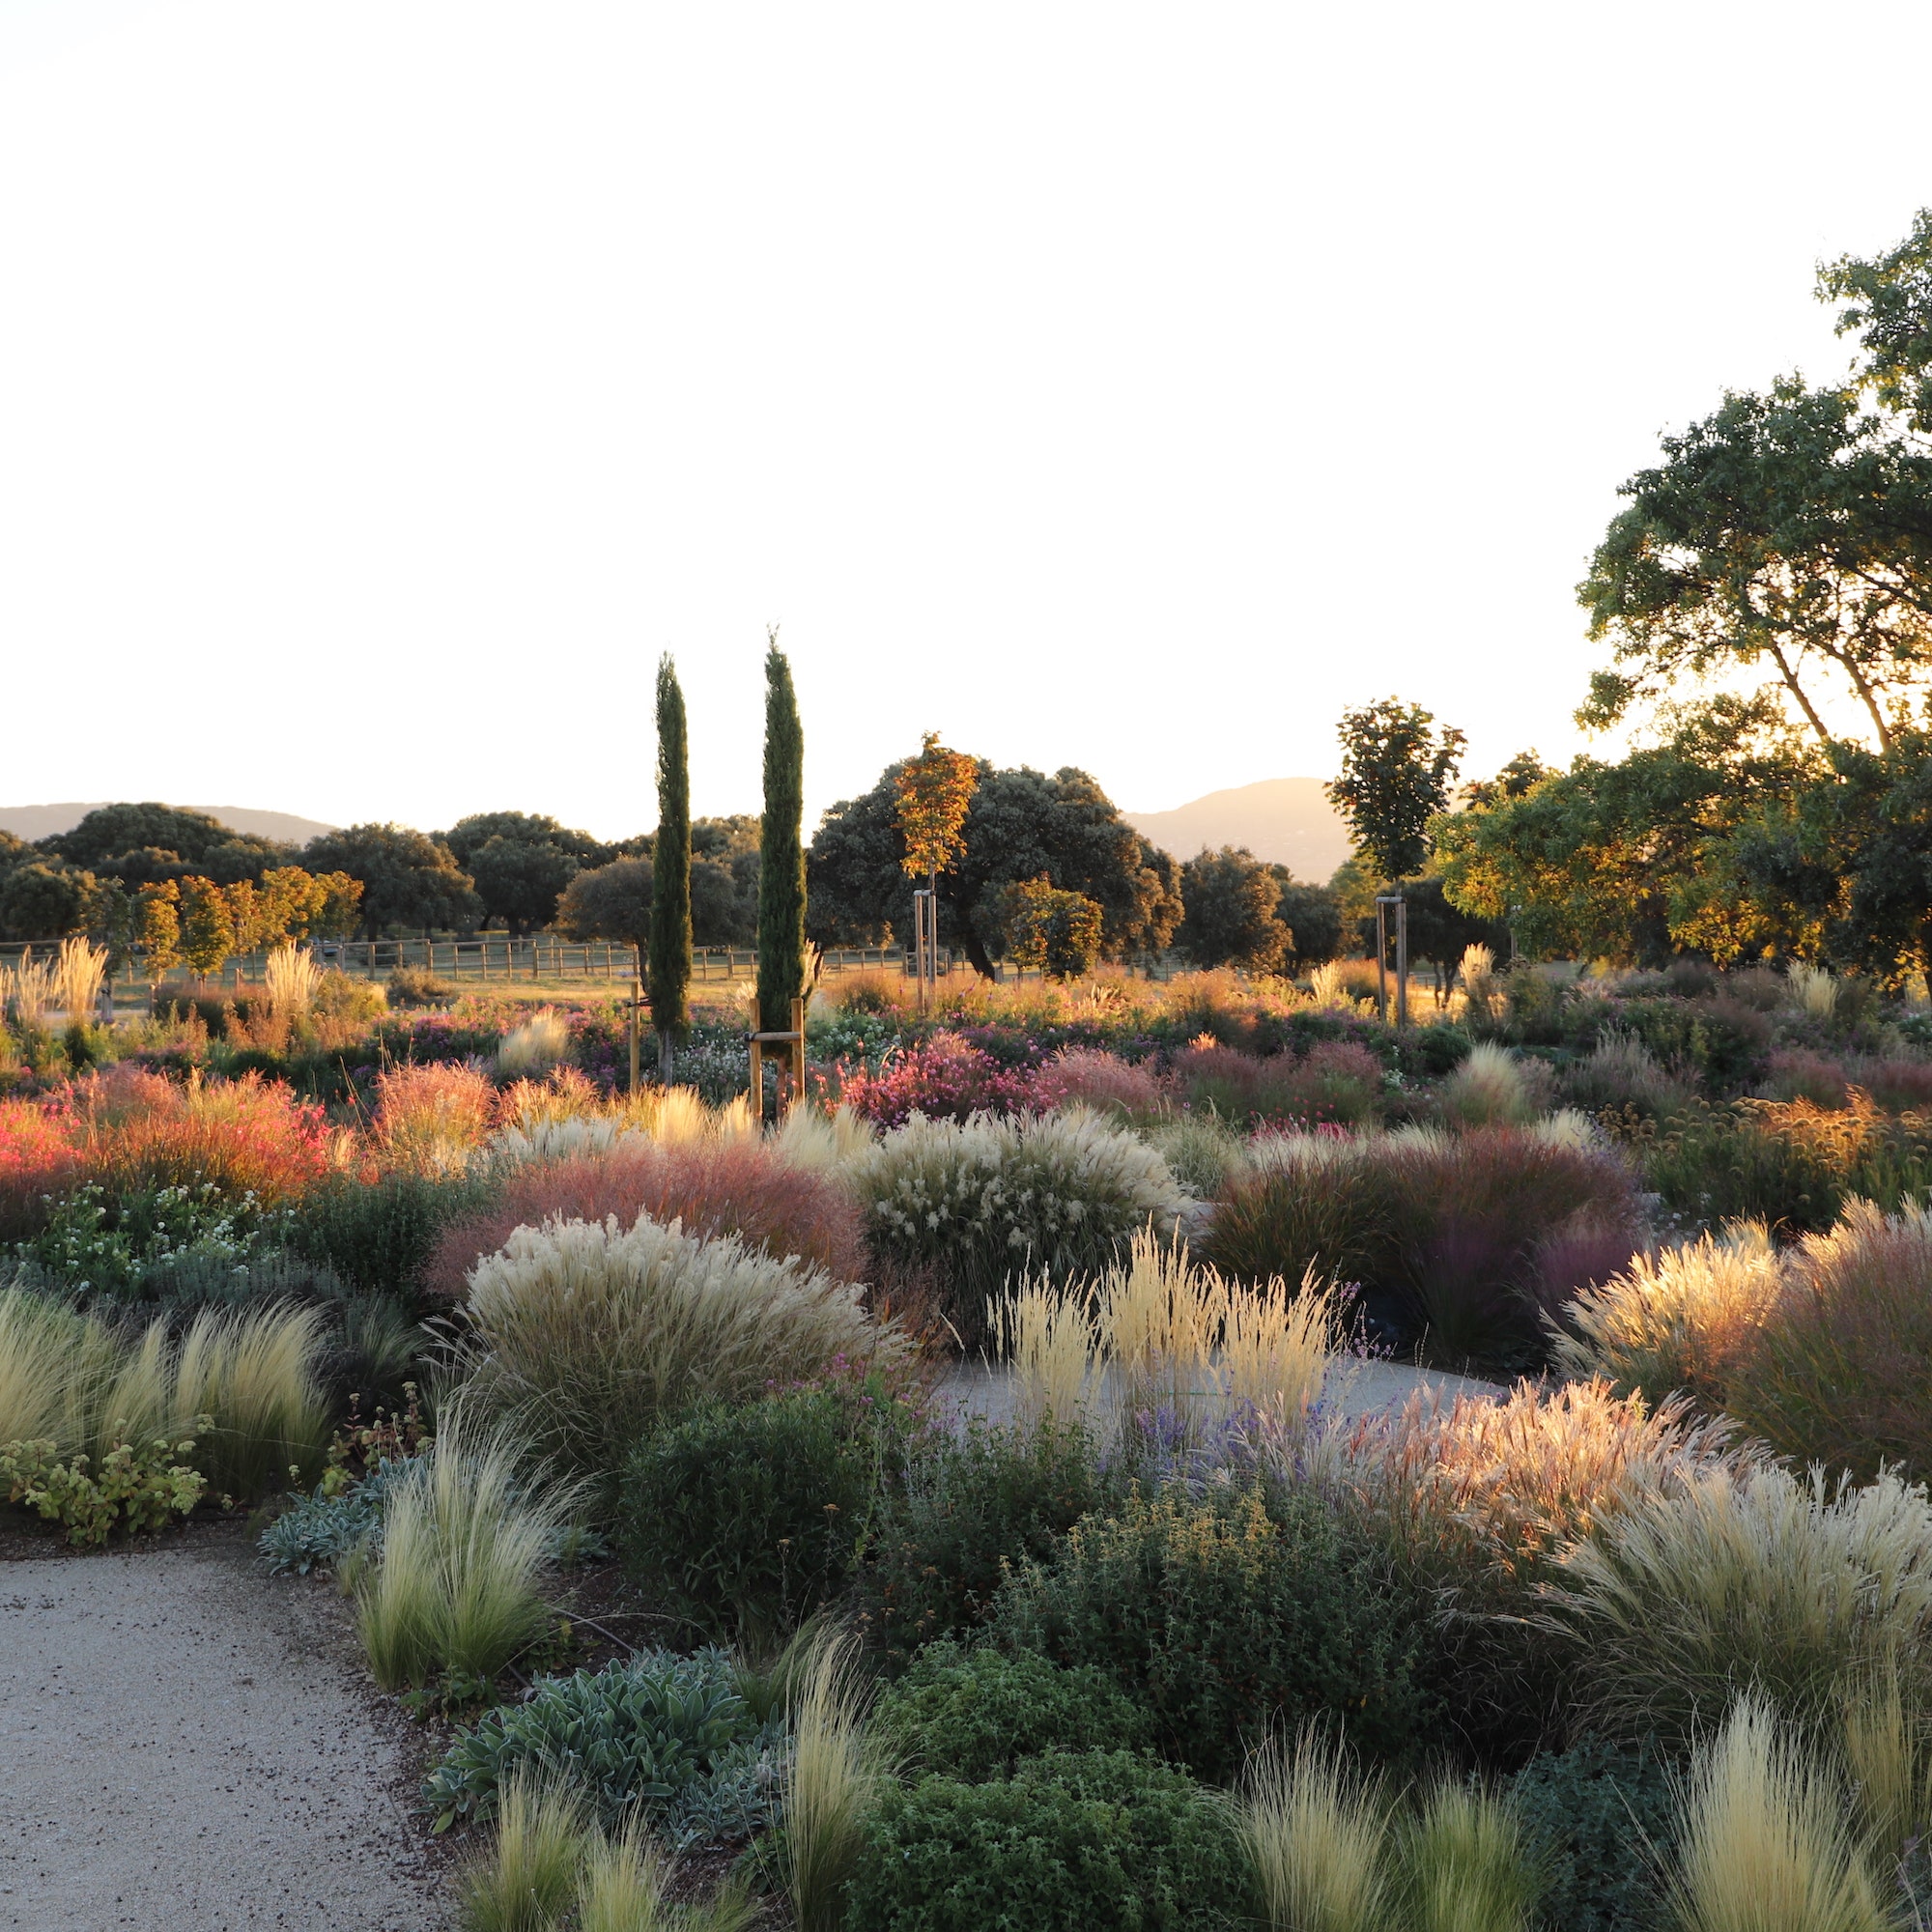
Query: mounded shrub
{"points": [[740, 1521], [976, 1201], [592, 1333], [381, 1235], [973, 1714], [972, 1507], [1601, 1820], [1072, 1842], [1232, 1614]]}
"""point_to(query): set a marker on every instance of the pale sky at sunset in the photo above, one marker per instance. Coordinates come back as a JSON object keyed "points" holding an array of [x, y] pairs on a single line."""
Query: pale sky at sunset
{"points": [[384, 386]]}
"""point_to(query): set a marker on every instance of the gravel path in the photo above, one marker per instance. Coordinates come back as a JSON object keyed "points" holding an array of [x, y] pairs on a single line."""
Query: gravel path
{"points": [[184, 1749]]}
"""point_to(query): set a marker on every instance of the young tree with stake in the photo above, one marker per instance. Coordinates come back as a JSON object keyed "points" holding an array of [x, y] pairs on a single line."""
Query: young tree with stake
{"points": [[931, 794]]}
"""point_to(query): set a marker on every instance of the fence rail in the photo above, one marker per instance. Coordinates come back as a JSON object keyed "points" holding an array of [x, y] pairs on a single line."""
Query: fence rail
{"points": [[502, 961]]}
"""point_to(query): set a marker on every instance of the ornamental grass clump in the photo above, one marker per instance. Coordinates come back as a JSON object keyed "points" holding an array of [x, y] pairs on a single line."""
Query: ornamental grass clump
{"points": [[1763, 1842], [432, 1119], [588, 1332], [1316, 1833], [456, 1591], [979, 1201], [839, 1768], [535, 1047], [1761, 1579], [1463, 1865], [749, 1187]]}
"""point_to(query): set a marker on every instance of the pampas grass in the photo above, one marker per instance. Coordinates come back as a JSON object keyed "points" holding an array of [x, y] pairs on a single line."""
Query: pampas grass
{"points": [[292, 976], [1764, 1845], [590, 1331], [1316, 1835], [464, 1541], [78, 979], [838, 1771]]}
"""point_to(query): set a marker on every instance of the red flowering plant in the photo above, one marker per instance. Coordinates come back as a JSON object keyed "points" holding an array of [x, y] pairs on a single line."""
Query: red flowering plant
{"points": [[944, 1078]]}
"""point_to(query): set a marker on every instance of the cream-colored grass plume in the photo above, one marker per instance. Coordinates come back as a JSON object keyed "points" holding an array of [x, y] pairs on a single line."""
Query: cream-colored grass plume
{"points": [[1488, 1089], [292, 976], [1813, 990], [838, 1771], [1315, 1833], [528, 1879], [1765, 1579], [808, 1137], [1159, 1319], [1888, 1758], [1327, 985], [1048, 1340], [1681, 1318], [1277, 1350], [27, 991], [587, 1331], [1476, 970], [1763, 1843], [78, 974], [531, 1050]]}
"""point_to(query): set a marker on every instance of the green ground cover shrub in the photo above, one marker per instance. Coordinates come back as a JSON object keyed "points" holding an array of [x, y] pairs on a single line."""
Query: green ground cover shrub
{"points": [[672, 1736], [973, 1714], [1232, 1614], [1601, 1820], [1072, 1842], [742, 1520], [971, 1507], [973, 1202], [380, 1236]]}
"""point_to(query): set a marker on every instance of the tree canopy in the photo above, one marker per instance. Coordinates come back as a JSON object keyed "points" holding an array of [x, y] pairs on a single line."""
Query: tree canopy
{"points": [[1020, 826], [409, 880], [1396, 768]]}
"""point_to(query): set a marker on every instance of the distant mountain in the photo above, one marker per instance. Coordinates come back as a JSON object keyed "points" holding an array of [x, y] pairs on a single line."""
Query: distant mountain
{"points": [[1286, 821], [42, 821]]}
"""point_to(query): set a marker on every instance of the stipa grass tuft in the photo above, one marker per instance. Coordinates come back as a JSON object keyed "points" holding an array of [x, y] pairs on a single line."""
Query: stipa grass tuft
{"points": [[1317, 1835], [838, 1772]]}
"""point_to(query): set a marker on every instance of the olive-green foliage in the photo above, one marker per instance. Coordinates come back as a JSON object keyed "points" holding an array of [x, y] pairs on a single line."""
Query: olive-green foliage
{"points": [[1230, 1615], [138, 1486], [971, 1506], [740, 1521], [380, 1236], [1073, 1843], [1600, 1819], [973, 1714]]}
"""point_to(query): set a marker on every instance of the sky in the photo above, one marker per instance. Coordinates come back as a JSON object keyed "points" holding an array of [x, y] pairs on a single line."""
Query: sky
{"points": [[385, 387]]}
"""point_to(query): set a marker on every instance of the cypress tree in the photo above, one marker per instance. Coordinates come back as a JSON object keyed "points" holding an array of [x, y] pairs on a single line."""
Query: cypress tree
{"points": [[781, 880], [670, 872]]}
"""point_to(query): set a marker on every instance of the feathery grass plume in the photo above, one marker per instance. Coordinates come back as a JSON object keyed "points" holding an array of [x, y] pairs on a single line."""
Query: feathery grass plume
{"points": [[1277, 1348], [1328, 986], [55, 1365], [1201, 1152], [532, 1050], [1840, 1375], [1764, 1845], [27, 991], [1685, 1317], [1463, 1865], [1048, 1338], [1780, 1583], [257, 1373], [1887, 1752], [838, 1770], [292, 976], [1488, 1089], [527, 1881], [1813, 990], [465, 1540], [1158, 1318], [828, 1143], [590, 1331], [78, 974], [1477, 971], [1317, 1835], [522, 1143], [622, 1889], [432, 1119]]}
